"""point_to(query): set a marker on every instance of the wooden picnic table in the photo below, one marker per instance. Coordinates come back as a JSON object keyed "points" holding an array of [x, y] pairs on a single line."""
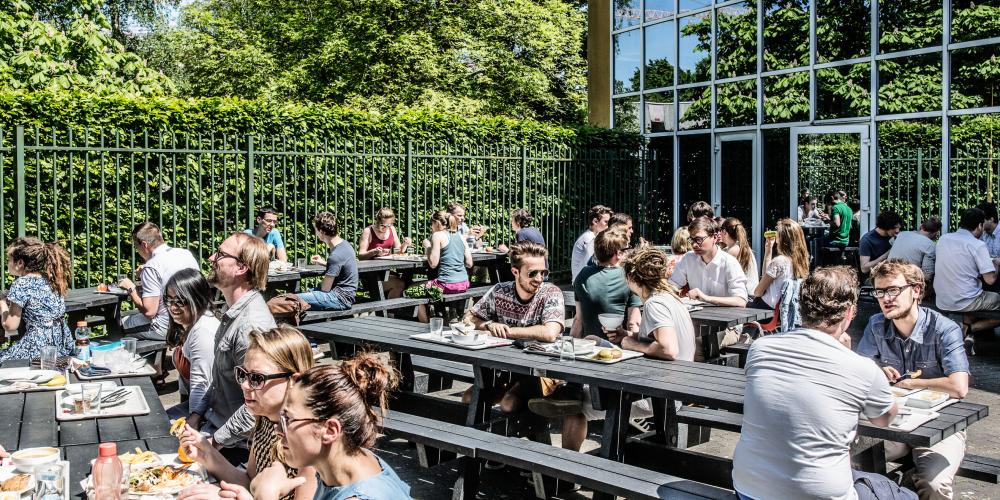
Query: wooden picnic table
{"points": [[83, 302]]}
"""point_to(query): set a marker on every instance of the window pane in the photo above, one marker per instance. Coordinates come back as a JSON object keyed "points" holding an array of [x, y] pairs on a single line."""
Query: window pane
{"points": [[695, 50], [912, 24], [661, 192], [975, 74], [910, 169], [626, 111], [658, 9], [786, 98], [626, 13], [974, 20], [786, 34], [687, 5], [627, 48], [659, 112], [695, 170], [843, 92], [695, 108], [776, 178], [975, 170], [736, 45], [660, 55], [910, 84], [736, 103], [843, 29]]}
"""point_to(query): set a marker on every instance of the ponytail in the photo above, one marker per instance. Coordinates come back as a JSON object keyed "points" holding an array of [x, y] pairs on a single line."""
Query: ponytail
{"points": [[59, 268], [446, 219]]}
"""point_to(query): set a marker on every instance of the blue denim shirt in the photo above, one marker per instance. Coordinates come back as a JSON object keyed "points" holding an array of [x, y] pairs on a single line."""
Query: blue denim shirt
{"points": [[936, 350]]}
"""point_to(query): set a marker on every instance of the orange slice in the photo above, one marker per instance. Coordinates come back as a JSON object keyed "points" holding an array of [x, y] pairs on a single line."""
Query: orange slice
{"points": [[183, 456]]}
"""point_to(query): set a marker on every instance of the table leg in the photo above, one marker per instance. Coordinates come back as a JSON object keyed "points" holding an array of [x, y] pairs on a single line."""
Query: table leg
{"points": [[868, 454], [480, 399], [617, 407], [372, 282], [113, 319]]}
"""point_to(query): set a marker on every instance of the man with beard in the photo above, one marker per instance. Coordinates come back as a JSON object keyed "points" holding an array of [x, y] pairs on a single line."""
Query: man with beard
{"points": [[239, 271], [916, 338]]}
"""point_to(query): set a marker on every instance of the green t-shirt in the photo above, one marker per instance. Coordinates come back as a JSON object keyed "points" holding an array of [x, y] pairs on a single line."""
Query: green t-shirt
{"points": [[842, 234], [602, 290]]}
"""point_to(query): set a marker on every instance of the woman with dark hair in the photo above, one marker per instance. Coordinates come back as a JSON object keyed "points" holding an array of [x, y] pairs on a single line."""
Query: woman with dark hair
{"points": [[38, 296], [520, 223], [191, 333]]}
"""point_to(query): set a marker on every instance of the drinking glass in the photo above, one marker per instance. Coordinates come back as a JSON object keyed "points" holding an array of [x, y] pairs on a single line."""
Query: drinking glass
{"points": [[49, 357], [129, 345], [437, 326], [566, 349], [301, 263], [90, 394]]}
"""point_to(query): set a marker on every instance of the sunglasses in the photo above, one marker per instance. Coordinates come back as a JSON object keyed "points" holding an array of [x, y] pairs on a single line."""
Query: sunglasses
{"points": [[284, 420], [256, 380], [534, 273], [175, 302]]}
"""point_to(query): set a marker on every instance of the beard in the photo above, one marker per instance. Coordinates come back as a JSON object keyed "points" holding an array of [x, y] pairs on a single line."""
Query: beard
{"points": [[900, 312]]}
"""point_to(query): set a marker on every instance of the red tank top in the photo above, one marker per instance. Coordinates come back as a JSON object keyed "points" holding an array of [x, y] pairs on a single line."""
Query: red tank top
{"points": [[376, 242]]}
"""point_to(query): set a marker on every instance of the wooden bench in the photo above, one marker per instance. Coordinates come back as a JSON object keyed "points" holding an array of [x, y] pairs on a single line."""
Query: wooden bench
{"points": [[458, 301], [592, 472], [312, 316], [716, 419], [441, 373], [980, 468]]}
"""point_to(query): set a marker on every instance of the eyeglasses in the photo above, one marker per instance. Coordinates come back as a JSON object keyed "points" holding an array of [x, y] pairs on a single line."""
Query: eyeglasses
{"points": [[385, 226], [256, 380], [892, 291], [219, 255], [175, 302], [698, 240], [284, 420], [273, 222], [535, 272]]}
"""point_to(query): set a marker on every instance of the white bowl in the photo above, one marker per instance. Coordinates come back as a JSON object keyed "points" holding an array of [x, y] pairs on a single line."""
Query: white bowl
{"points": [[583, 346], [463, 328], [31, 459], [474, 339], [610, 321]]}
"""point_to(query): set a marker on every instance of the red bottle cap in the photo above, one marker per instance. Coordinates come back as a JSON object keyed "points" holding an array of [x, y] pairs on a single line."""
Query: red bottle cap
{"points": [[107, 450]]}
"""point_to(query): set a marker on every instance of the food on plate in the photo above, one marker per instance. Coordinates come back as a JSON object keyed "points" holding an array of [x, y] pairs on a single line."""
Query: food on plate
{"points": [[102, 287], [140, 457], [929, 395], [56, 381], [17, 482], [4, 495], [608, 353], [164, 479], [176, 429]]}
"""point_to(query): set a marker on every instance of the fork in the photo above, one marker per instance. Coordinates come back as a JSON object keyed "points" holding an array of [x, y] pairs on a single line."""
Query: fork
{"points": [[115, 396]]}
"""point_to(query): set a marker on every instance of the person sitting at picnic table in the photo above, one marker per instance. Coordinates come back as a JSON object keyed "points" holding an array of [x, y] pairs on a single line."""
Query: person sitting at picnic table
{"points": [[918, 248], [340, 280], [841, 219], [464, 230], [700, 209], [601, 288], [520, 223], [875, 245], [680, 244], [37, 298], [809, 211], [786, 258], [239, 271], [191, 334], [733, 237], [267, 230], [330, 421], [624, 221], [991, 230], [272, 358], [381, 239], [161, 262], [448, 253], [526, 308], [904, 338], [583, 249], [804, 392], [962, 265]]}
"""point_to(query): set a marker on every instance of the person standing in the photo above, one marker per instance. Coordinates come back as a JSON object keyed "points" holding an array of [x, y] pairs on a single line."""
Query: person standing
{"points": [[583, 249], [841, 219], [267, 230], [340, 281], [37, 298]]}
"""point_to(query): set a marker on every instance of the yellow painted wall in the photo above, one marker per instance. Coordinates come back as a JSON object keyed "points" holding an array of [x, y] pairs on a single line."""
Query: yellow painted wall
{"points": [[599, 63]]}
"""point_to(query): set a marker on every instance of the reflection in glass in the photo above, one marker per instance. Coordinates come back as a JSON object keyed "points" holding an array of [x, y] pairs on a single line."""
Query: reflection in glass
{"points": [[829, 162], [910, 169], [736, 104], [843, 92], [695, 107], [626, 110], [975, 167], [786, 98], [695, 48], [776, 179], [627, 50], [975, 77], [735, 172], [659, 112], [909, 84], [912, 24], [786, 34], [695, 170], [658, 9], [626, 13], [974, 20], [660, 199], [660, 55], [687, 5], [843, 29], [736, 45]]}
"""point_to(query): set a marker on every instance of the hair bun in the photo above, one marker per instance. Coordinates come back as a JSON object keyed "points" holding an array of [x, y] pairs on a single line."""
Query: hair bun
{"points": [[373, 378]]}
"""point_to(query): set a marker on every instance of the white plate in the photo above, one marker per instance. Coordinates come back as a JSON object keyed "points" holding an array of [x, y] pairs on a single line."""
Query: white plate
{"points": [[926, 399], [7, 474], [7, 374]]}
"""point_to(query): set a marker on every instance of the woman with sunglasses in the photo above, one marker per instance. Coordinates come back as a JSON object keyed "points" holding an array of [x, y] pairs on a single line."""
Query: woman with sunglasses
{"points": [[330, 422], [381, 239], [448, 253], [191, 333], [271, 360]]}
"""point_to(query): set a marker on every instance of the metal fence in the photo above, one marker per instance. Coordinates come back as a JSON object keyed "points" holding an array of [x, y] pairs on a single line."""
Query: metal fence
{"points": [[87, 189]]}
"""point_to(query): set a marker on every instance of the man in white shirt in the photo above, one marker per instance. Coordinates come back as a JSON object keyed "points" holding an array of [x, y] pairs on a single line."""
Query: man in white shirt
{"points": [[991, 230], [804, 392], [918, 248], [962, 260], [162, 261], [583, 249]]}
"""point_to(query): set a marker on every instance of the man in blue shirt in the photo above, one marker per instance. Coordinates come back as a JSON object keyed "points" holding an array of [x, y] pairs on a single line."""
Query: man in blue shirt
{"points": [[267, 222], [874, 246], [904, 338]]}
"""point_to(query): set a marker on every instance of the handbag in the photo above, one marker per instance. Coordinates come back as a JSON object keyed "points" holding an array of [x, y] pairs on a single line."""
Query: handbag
{"points": [[287, 308]]}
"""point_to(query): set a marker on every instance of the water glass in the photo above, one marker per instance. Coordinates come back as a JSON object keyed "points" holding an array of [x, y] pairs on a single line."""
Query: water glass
{"points": [[437, 326], [90, 394], [49, 357], [129, 345], [301, 263], [565, 345]]}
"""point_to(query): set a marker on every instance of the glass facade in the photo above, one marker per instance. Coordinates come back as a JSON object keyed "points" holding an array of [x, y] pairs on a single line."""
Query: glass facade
{"points": [[922, 77]]}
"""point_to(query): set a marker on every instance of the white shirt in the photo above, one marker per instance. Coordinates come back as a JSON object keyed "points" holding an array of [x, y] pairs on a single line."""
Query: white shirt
{"points": [[160, 267], [961, 260], [583, 249], [915, 248], [780, 270], [664, 310], [803, 396], [722, 277], [199, 349]]}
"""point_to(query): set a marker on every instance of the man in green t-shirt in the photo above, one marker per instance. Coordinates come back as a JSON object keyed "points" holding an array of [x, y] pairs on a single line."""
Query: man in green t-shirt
{"points": [[840, 226]]}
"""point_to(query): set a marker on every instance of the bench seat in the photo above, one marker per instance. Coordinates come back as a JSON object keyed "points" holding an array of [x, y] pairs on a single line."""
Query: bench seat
{"points": [[980, 468], [312, 316], [707, 417]]}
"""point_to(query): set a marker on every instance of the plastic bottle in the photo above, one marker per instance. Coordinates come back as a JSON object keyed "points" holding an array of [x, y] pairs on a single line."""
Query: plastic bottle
{"points": [[82, 335], [107, 473]]}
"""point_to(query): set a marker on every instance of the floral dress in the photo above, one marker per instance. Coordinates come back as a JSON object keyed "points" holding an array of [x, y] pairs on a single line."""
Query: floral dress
{"points": [[43, 316]]}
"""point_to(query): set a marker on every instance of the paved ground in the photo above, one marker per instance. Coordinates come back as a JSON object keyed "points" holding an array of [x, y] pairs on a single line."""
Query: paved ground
{"points": [[436, 482]]}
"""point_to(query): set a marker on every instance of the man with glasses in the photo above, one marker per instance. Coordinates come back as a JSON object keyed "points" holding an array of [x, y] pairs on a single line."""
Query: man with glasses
{"points": [[905, 338], [239, 271], [267, 230], [161, 262]]}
